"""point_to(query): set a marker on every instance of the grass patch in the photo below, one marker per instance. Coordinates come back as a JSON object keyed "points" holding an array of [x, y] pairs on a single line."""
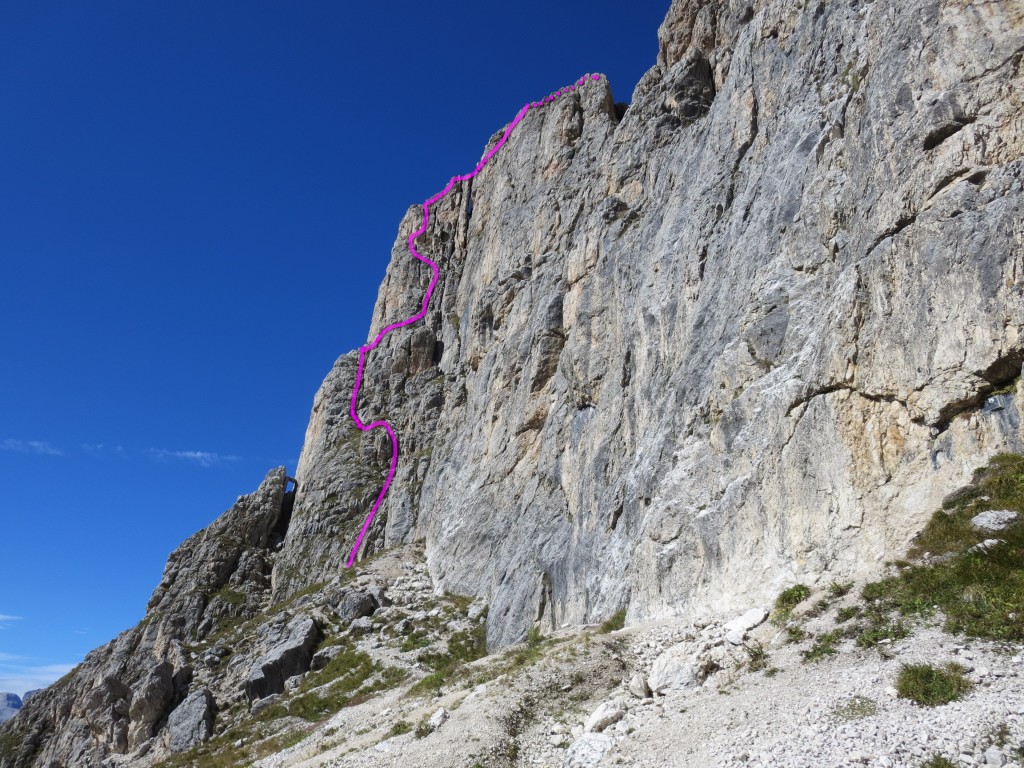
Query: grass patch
{"points": [[757, 657], [824, 645], [874, 633], [847, 612], [938, 761], [931, 686], [837, 590], [980, 593], [855, 708], [615, 622], [787, 600], [796, 634], [400, 727], [463, 647], [792, 597]]}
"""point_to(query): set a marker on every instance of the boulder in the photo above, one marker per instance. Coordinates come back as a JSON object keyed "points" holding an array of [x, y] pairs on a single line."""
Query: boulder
{"points": [[352, 604], [324, 656], [607, 714], [993, 519], [361, 626], [587, 750], [191, 722], [150, 702], [736, 630], [678, 667], [437, 719], [638, 686], [290, 656]]}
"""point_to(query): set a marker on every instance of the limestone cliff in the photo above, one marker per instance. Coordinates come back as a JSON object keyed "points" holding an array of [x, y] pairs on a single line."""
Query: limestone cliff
{"points": [[747, 329], [742, 332]]}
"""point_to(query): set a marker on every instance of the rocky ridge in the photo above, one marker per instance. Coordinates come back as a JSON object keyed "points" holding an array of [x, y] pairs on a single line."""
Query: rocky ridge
{"points": [[745, 331], [10, 703]]}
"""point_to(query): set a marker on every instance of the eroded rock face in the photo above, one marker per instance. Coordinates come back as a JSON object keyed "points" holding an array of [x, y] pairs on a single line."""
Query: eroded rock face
{"points": [[748, 331], [127, 693], [290, 654], [191, 723], [741, 335]]}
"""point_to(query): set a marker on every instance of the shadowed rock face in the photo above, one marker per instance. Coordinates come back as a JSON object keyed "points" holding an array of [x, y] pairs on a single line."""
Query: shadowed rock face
{"points": [[10, 704], [132, 689], [748, 330]]}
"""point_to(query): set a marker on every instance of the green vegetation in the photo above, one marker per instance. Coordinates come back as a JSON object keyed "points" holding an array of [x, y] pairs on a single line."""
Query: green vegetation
{"points": [[856, 708], [980, 593], [837, 590], [463, 647], [930, 686], [846, 613], [787, 600], [757, 657], [796, 634], [938, 761], [400, 727], [230, 595], [824, 645], [615, 622]]}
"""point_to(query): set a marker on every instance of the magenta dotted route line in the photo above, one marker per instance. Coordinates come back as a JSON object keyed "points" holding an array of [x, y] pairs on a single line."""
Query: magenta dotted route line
{"points": [[426, 301]]}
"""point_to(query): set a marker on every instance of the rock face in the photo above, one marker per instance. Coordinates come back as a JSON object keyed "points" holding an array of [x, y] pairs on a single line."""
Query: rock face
{"points": [[291, 653], [131, 690], [743, 333], [749, 330], [10, 704], [191, 723]]}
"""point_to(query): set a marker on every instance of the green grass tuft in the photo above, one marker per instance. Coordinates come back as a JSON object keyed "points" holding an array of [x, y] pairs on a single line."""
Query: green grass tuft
{"points": [[931, 686], [614, 623], [824, 645]]}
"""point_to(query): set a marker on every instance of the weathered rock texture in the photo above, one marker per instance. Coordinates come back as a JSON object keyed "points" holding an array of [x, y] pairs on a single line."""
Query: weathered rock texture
{"points": [[743, 333], [750, 329], [146, 683], [10, 704]]}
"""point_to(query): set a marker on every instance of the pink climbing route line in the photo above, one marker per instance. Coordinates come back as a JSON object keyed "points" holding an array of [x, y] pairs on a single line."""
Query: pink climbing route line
{"points": [[426, 301]]}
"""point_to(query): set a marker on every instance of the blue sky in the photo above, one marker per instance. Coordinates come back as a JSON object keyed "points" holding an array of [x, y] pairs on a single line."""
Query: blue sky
{"points": [[197, 203]]}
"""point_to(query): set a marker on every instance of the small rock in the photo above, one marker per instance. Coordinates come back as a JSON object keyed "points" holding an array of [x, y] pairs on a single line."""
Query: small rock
{"points": [[994, 756], [638, 686], [587, 751], [608, 713], [361, 626], [985, 546], [476, 609], [437, 719], [993, 519]]}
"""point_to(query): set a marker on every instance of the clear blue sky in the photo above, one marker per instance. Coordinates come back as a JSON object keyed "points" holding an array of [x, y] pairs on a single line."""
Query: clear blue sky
{"points": [[197, 203]]}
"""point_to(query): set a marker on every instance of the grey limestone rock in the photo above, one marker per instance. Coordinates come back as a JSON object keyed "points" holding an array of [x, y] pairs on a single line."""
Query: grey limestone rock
{"points": [[290, 654], [353, 604], [10, 704], [191, 722], [993, 519], [742, 333], [749, 330]]}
